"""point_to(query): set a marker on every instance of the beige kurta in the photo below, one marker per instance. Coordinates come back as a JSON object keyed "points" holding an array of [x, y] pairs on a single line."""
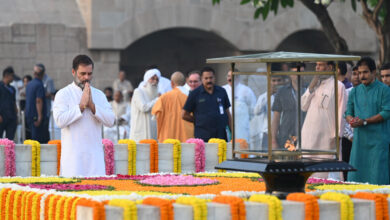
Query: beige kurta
{"points": [[170, 124], [319, 130], [142, 125]]}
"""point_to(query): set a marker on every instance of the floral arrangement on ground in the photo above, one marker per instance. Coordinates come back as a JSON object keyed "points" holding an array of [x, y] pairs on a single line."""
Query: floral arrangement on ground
{"points": [[179, 184]]}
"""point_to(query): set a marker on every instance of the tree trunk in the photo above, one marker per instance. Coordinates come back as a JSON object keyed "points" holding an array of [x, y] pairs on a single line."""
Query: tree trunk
{"points": [[320, 11], [382, 30], [385, 47]]}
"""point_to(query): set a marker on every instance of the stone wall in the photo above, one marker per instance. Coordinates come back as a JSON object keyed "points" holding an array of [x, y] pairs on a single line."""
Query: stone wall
{"points": [[54, 45]]}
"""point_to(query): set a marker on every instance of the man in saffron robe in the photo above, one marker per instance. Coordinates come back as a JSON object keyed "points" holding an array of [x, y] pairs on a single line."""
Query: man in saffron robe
{"points": [[367, 112], [80, 110], [168, 113]]}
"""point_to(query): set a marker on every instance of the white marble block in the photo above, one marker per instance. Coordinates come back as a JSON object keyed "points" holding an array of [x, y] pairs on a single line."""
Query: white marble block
{"points": [[143, 159], [229, 150], [211, 153], [182, 211], [2, 160], [256, 211], [218, 211], [329, 209], [49, 159], [293, 210], [187, 158], [363, 209], [121, 159], [165, 158], [23, 159]]}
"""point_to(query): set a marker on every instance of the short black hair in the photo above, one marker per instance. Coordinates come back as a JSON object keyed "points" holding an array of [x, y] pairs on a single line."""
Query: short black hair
{"points": [[207, 69], [343, 68], [109, 89], [367, 61], [8, 71], [276, 67], [354, 68], [28, 77], [385, 66], [81, 60], [41, 66], [331, 63]]}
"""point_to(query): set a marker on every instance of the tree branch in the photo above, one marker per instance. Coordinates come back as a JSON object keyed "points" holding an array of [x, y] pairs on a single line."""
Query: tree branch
{"points": [[320, 11], [377, 9]]}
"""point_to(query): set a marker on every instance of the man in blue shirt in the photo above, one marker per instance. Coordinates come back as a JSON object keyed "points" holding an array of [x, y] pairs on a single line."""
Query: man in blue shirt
{"points": [[210, 107], [36, 117], [8, 110]]}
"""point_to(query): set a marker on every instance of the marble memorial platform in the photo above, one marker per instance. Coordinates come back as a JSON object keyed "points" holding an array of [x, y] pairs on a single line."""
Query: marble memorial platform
{"points": [[165, 156]]}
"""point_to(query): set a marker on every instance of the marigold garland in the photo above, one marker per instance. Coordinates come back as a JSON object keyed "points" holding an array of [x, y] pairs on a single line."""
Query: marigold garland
{"points": [[51, 210], [275, 207], [381, 204], [73, 209], [98, 208], [129, 208], [176, 153], [38, 180], [153, 154], [59, 209], [109, 156], [312, 209], [221, 149], [346, 204], [200, 158], [17, 204], [132, 152], [58, 144], [165, 205], [237, 206], [35, 157], [9, 157], [199, 206]]}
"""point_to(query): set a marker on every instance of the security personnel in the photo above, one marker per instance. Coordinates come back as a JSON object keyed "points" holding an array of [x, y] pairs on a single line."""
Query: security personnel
{"points": [[8, 109], [210, 107]]}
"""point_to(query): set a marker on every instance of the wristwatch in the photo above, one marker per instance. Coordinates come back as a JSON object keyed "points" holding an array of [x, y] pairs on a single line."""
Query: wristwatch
{"points": [[364, 122]]}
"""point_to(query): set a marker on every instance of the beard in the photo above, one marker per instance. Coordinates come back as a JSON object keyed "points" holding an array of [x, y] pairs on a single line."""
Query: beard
{"points": [[80, 83], [151, 90]]}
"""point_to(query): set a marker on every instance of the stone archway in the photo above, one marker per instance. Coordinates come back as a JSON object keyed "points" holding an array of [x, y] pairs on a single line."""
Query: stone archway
{"points": [[175, 49], [310, 41]]}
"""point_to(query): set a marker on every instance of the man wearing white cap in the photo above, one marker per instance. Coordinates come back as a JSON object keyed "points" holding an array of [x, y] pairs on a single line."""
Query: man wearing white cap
{"points": [[144, 98]]}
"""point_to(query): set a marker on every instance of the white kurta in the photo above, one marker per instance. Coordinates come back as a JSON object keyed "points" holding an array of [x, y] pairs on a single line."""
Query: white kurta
{"points": [[81, 135], [260, 128], [244, 102], [318, 130], [142, 125]]}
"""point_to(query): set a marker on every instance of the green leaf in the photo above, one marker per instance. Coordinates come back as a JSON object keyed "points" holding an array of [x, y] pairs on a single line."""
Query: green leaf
{"points": [[216, 2], [274, 6], [243, 2], [283, 3], [290, 3], [353, 4], [258, 12], [266, 10]]}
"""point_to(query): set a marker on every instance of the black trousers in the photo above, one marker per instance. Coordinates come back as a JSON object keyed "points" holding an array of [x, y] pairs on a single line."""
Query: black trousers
{"points": [[346, 146], [40, 133], [9, 127]]}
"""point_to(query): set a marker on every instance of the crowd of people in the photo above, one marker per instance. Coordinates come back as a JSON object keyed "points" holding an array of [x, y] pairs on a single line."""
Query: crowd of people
{"points": [[189, 106]]}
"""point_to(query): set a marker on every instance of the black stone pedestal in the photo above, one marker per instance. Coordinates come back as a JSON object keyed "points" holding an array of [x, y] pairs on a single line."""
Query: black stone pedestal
{"points": [[282, 178]]}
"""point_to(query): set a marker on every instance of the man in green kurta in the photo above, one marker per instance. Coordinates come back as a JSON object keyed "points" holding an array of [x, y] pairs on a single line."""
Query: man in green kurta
{"points": [[367, 111]]}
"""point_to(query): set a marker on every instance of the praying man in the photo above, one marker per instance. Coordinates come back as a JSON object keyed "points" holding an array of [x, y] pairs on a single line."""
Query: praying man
{"points": [[80, 110]]}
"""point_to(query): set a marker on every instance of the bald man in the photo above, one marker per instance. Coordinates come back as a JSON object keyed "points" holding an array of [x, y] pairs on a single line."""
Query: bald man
{"points": [[168, 112]]}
